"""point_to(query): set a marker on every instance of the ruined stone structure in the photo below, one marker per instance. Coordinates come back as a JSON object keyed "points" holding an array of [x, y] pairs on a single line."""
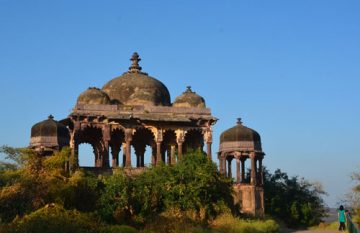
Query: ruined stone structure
{"points": [[241, 143], [134, 110]]}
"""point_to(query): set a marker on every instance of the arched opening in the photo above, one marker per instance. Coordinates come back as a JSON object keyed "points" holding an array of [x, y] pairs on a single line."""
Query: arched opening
{"points": [[148, 156], [91, 136], [142, 139], [86, 156], [194, 140], [168, 147], [116, 142]]}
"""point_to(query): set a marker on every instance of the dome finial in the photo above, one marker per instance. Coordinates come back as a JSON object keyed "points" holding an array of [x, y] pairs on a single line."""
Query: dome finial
{"points": [[188, 89], [135, 68], [239, 122], [51, 117]]}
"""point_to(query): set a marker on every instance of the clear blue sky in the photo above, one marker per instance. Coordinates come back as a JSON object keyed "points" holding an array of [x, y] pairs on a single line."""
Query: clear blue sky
{"points": [[290, 69]]}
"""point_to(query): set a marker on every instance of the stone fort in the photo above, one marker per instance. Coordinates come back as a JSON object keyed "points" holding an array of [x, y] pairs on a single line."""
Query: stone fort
{"points": [[134, 112]]}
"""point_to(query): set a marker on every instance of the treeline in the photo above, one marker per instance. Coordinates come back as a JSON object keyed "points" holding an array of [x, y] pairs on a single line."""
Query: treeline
{"points": [[37, 195]]}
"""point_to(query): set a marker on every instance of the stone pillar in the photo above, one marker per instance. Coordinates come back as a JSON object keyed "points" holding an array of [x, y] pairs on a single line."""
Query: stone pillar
{"points": [[142, 160], [229, 167], [208, 150], [158, 152], [106, 136], [128, 138], [220, 163], [168, 155], [73, 162], [105, 154], [139, 151], [115, 150], [158, 140], [124, 154], [180, 138], [208, 140], [153, 156], [242, 170], [222, 158], [172, 154], [98, 155], [261, 174], [253, 169], [238, 170], [180, 151]]}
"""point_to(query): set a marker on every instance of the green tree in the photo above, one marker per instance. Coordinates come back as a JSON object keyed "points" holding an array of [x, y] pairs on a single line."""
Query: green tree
{"points": [[295, 201], [197, 185], [193, 184]]}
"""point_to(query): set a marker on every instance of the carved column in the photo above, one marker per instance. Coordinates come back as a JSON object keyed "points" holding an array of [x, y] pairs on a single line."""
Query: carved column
{"points": [[139, 151], [180, 138], [128, 138], [153, 155], [98, 155], [229, 167], [222, 158], [261, 175], [124, 154], [115, 150], [142, 160], [158, 139], [172, 154], [208, 140], [237, 169], [158, 152], [220, 163], [73, 163], [180, 151], [253, 168], [106, 138], [242, 160]]}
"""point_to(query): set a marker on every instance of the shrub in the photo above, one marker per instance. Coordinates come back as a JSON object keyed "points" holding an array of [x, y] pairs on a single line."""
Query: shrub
{"points": [[54, 218], [230, 224]]}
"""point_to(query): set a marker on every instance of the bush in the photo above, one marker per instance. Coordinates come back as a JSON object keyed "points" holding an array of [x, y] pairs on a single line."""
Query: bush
{"points": [[54, 218], [229, 224]]}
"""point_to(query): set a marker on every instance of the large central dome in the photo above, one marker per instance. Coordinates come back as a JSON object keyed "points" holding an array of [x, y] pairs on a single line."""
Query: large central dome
{"points": [[137, 88]]}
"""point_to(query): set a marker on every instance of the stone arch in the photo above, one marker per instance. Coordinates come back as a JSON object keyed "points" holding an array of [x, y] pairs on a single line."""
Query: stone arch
{"points": [[168, 146], [194, 140], [93, 136], [142, 137], [116, 142]]}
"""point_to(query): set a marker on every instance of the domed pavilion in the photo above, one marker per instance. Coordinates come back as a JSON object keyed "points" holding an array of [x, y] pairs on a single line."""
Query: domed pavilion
{"points": [[135, 111], [48, 136], [241, 143]]}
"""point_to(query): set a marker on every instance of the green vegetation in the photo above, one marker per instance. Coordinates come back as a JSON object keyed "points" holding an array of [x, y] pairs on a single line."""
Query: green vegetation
{"points": [[37, 195], [295, 201]]}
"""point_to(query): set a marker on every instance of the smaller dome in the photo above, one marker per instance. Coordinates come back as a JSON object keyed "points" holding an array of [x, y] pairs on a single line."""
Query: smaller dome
{"points": [[93, 95], [240, 133], [189, 99], [49, 134]]}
